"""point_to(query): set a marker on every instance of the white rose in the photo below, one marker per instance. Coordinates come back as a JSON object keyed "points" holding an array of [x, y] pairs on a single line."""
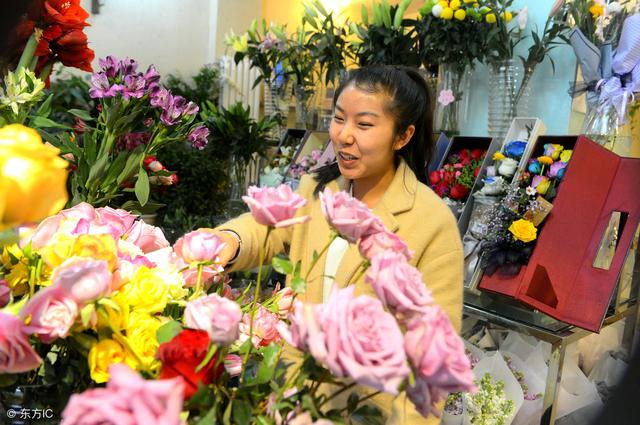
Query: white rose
{"points": [[436, 11], [508, 167]]}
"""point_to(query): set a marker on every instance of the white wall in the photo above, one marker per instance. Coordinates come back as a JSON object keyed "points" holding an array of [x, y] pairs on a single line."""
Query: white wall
{"points": [[235, 15], [177, 36]]}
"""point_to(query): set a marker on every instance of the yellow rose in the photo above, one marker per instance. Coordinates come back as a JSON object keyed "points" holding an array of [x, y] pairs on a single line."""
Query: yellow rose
{"points": [[101, 356], [546, 160], [460, 14], [523, 230], [454, 4], [498, 156], [447, 14], [141, 335], [56, 253], [33, 178], [490, 18], [565, 156], [119, 318], [543, 186], [596, 10], [146, 291], [98, 247]]}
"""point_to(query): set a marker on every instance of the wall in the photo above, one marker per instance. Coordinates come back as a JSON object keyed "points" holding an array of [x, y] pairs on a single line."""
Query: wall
{"points": [[235, 15]]}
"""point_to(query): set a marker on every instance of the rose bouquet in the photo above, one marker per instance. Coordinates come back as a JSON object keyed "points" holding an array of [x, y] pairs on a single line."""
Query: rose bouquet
{"points": [[136, 117], [454, 180]]}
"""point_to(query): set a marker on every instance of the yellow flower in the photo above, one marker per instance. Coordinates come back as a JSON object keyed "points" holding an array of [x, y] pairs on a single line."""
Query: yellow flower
{"points": [[565, 156], [476, 5], [443, 3], [33, 178], [523, 230], [596, 10], [469, 1], [119, 318], [507, 16], [460, 14], [454, 4], [141, 335], [146, 291], [546, 160], [447, 14], [56, 253], [101, 356], [98, 247], [498, 156], [490, 18], [543, 186]]}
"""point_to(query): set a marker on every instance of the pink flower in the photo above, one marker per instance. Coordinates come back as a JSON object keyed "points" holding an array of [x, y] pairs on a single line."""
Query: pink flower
{"points": [[216, 315], [354, 337], [264, 327], [285, 298], [297, 333], [5, 293], [437, 352], [275, 207], [117, 221], [65, 221], [50, 313], [424, 397], [148, 238], [127, 400], [376, 243], [233, 364], [199, 247], [398, 284], [351, 218], [446, 97], [555, 168], [16, 354], [83, 279]]}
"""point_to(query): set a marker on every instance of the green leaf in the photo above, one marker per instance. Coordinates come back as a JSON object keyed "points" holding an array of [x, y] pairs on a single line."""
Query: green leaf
{"points": [[352, 402], [142, 187], [86, 313], [82, 114], [210, 417], [42, 122], [368, 415], [109, 303], [282, 265], [298, 285], [45, 109], [168, 331], [242, 412]]}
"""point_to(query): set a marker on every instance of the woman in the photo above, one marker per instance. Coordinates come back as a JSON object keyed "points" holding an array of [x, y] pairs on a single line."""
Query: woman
{"points": [[381, 133]]}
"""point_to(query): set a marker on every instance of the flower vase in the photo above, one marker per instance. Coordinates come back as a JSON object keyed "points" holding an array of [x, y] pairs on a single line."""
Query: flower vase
{"points": [[237, 185], [304, 99], [502, 95], [276, 104], [523, 94], [452, 98], [32, 404], [430, 75], [605, 127]]}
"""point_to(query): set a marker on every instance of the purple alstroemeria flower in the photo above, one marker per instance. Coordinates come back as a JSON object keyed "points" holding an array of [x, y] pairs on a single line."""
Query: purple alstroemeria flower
{"points": [[199, 137], [100, 87], [161, 98], [190, 109], [148, 122], [172, 112], [268, 43], [128, 66], [555, 168], [133, 86], [152, 78], [110, 65]]}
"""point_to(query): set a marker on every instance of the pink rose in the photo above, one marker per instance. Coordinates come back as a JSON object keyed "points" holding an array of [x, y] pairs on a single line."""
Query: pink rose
{"points": [[146, 237], [375, 243], [127, 400], [264, 327], [424, 397], [398, 284], [437, 352], [5, 293], [275, 207], [355, 337], [285, 298], [16, 354], [116, 222], [83, 279], [66, 221], [555, 168], [50, 314], [233, 364], [216, 315], [351, 218], [297, 333], [199, 247]]}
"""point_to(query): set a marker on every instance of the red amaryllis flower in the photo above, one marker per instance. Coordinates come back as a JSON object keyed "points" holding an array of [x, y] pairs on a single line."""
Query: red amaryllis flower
{"points": [[68, 13], [72, 50]]}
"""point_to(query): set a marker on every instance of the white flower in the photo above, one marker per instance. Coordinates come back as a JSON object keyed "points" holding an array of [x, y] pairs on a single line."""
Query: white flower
{"points": [[22, 88], [491, 171], [507, 167], [522, 18], [613, 8], [531, 191], [436, 11]]}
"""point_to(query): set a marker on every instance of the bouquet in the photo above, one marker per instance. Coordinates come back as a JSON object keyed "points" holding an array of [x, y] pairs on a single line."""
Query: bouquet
{"points": [[305, 164], [454, 180], [501, 173], [136, 117], [489, 405]]}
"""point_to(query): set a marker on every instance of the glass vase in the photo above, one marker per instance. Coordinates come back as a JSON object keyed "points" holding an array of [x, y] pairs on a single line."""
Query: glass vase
{"points": [[277, 98], [605, 127], [452, 98], [304, 95], [523, 94], [237, 185], [503, 76]]}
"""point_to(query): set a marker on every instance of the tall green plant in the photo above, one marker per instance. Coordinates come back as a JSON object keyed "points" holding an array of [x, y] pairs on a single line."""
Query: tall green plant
{"points": [[205, 86]]}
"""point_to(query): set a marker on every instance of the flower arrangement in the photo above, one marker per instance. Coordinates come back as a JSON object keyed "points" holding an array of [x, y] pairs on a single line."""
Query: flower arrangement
{"points": [[546, 171], [502, 36], [306, 163], [501, 173], [488, 406], [136, 117], [455, 179]]}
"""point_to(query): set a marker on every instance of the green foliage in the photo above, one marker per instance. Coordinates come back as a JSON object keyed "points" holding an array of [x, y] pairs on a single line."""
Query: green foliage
{"points": [[205, 86], [68, 94]]}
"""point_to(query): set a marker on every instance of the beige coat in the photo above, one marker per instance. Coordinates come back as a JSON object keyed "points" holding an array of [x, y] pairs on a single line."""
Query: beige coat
{"points": [[408, 208]]}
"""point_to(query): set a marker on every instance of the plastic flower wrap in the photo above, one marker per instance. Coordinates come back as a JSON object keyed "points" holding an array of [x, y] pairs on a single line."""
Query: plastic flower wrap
{"points": [[488, 406]]}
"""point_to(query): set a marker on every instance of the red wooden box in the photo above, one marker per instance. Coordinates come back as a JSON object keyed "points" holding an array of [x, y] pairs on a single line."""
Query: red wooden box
{"points": [[560, 279]]}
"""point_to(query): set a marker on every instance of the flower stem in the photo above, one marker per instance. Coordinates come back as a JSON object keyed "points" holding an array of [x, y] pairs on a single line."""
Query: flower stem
{"points": [[362, 268], [333, 237], [344, 409], [27, 53], [198, 289], [337, 393]]}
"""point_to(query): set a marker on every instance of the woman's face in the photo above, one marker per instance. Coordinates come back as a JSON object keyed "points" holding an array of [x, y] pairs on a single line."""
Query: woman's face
{"points": [[363, 135]]}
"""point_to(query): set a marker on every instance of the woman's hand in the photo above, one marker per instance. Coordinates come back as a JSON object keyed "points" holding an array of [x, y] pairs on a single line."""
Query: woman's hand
{"points": [[231, 244]]}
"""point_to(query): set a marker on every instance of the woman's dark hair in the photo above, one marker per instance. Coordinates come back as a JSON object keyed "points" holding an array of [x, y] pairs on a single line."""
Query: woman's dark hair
{"points": [[409, 103]]}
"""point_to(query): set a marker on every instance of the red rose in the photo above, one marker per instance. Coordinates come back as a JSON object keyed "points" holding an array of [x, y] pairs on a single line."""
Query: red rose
{"points": [[477, 153], [434, 177], [476, 172], [464, 153], [449, 177], [182, 355], [459, 192], [441, 190]]}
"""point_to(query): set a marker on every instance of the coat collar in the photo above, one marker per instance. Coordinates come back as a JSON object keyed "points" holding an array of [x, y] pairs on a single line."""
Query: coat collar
{"points": [[398, 198]]}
